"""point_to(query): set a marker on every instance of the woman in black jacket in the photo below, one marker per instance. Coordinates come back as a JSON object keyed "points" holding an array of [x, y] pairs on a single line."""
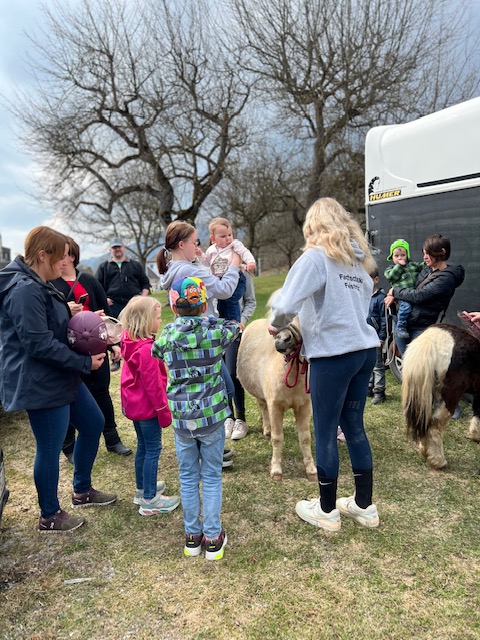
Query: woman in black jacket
{"points": [[75, 285], [41, 374], [434, 288]]}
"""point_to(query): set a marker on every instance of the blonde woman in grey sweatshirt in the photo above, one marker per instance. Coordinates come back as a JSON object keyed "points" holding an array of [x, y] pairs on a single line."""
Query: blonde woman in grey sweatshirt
{"points": [[329, 288]]}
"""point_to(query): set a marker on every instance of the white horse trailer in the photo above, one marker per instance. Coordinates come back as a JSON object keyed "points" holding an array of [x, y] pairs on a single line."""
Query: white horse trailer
{"points": [[421, 178]]}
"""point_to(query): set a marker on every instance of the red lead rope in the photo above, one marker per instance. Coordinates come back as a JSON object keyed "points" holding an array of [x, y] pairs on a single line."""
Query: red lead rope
{"points": [[301, 367]]}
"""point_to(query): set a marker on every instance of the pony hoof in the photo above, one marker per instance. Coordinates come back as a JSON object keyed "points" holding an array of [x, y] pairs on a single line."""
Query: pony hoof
{"points": [[439, 466], [312, 477], [277, 477]]}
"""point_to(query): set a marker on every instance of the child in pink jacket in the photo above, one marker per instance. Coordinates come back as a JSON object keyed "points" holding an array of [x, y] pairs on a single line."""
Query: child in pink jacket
{"points": [[143, 386]]}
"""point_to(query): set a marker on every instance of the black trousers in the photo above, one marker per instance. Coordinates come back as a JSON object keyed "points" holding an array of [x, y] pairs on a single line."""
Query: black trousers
{"points": [[98, 382]]}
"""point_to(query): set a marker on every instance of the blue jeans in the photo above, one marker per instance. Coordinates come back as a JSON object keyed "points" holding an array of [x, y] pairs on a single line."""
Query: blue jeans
{"points": [[402, 343], [403, 311], [230, 308], [201, 458], [149, 438], [338, 386], [49, 427]]}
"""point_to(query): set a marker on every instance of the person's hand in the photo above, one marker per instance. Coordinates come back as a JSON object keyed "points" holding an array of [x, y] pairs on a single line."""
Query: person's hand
{"points": [[236, 260], [272, 330], [389, 300], [116, 353], [474, 316], [75, 307], [251, 266], [402, 261], [110, 302], [97, 361]]}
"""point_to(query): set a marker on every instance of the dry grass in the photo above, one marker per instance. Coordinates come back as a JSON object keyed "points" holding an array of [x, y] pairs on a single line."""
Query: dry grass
{"points": [[416, 576]]}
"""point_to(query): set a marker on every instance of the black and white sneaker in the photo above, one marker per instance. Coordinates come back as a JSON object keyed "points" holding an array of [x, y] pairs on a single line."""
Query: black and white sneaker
{"points": [[193, 545], [227, 458], [214, 549]]}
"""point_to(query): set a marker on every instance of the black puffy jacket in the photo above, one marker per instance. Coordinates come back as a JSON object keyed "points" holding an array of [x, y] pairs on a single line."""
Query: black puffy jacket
{"points": [[432, 295]]}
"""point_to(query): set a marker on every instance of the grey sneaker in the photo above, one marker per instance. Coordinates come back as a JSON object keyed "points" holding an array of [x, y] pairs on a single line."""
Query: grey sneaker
{"points": [[367, 517], [229, 424], [92, 498], [60, 522], [311, 511], [161, 486], [158, 504]]}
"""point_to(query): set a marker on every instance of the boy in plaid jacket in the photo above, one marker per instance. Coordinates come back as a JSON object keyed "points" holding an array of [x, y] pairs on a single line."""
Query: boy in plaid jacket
{"points": [[403, 273], [192, 348]]}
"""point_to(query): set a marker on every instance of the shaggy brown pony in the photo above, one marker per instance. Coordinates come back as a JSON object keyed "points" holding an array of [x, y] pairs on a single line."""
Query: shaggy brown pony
{"points": [[261, 370], [438, 367]]}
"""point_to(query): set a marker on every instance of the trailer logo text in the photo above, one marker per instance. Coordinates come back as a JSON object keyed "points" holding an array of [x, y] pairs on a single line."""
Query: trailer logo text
{"points": [[394, 193]]}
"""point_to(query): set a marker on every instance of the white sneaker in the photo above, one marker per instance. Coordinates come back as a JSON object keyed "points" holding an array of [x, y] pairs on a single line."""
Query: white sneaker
{"points": [[311, 511], [240, 430], [229, 424], [367, 517]]}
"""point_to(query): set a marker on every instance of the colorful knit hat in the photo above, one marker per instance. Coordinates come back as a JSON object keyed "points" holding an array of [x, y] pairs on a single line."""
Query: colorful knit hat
{"points": [[188, 292], [400, 243]]}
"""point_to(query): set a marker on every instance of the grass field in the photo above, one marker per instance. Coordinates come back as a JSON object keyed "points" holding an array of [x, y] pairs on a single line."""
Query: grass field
{"points": [[416, 576]]}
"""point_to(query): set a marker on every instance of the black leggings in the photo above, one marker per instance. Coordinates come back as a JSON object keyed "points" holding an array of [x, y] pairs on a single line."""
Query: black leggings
{"points": [[338, 386]]}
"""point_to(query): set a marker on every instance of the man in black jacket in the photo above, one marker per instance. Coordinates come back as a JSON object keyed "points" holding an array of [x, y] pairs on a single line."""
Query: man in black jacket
{"points": [[122, 279]]}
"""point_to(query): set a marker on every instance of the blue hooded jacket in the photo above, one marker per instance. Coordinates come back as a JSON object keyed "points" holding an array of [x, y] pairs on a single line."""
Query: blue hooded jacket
{"points": [[38, 370]]}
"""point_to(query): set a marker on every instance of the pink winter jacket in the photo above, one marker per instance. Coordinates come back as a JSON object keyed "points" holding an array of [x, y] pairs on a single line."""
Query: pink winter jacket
{"points": [[143, 382]]}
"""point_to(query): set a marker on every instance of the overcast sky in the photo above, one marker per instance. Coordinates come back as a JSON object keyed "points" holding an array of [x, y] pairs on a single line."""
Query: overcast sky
{"points": [[18, 210]]}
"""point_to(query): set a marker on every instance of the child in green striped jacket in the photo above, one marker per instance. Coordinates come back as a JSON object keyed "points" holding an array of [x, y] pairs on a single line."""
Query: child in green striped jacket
{"points": [[192, 348]]}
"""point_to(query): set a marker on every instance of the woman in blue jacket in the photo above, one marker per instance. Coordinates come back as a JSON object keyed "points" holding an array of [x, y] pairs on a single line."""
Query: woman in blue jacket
{"points": [[41, 374]]}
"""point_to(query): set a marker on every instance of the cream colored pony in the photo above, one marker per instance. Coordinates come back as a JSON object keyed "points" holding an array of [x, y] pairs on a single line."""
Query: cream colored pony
{"points": [[261, 370]]}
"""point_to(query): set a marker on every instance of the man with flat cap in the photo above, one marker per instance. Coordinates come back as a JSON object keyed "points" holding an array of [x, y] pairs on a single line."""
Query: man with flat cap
{"points": [[122, 279]]}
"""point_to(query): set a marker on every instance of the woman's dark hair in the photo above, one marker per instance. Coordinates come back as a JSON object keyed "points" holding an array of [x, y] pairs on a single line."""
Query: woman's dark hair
{"points": [[73, 250], [437, 246], [175, 233]]}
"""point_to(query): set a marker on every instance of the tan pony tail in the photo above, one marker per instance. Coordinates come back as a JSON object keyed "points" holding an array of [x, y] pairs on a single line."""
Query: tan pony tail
{"points": [[424, 366]]}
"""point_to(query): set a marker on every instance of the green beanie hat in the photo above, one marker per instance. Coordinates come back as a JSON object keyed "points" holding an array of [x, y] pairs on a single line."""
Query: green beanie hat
{"points": [[399, 243]]}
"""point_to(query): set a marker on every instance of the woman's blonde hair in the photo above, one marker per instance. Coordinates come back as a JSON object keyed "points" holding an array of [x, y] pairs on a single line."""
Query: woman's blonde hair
{"points": [[330, 226], [138, 316]]}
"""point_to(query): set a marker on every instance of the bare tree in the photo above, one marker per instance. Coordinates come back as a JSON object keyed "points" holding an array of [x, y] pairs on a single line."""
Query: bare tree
{"points": [[137, 112], [265, 197], [337, 67]]}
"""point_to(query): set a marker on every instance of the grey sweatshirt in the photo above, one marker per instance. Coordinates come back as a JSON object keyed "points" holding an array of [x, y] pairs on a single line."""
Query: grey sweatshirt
{"points": [[216, 288], [331, 300]]}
